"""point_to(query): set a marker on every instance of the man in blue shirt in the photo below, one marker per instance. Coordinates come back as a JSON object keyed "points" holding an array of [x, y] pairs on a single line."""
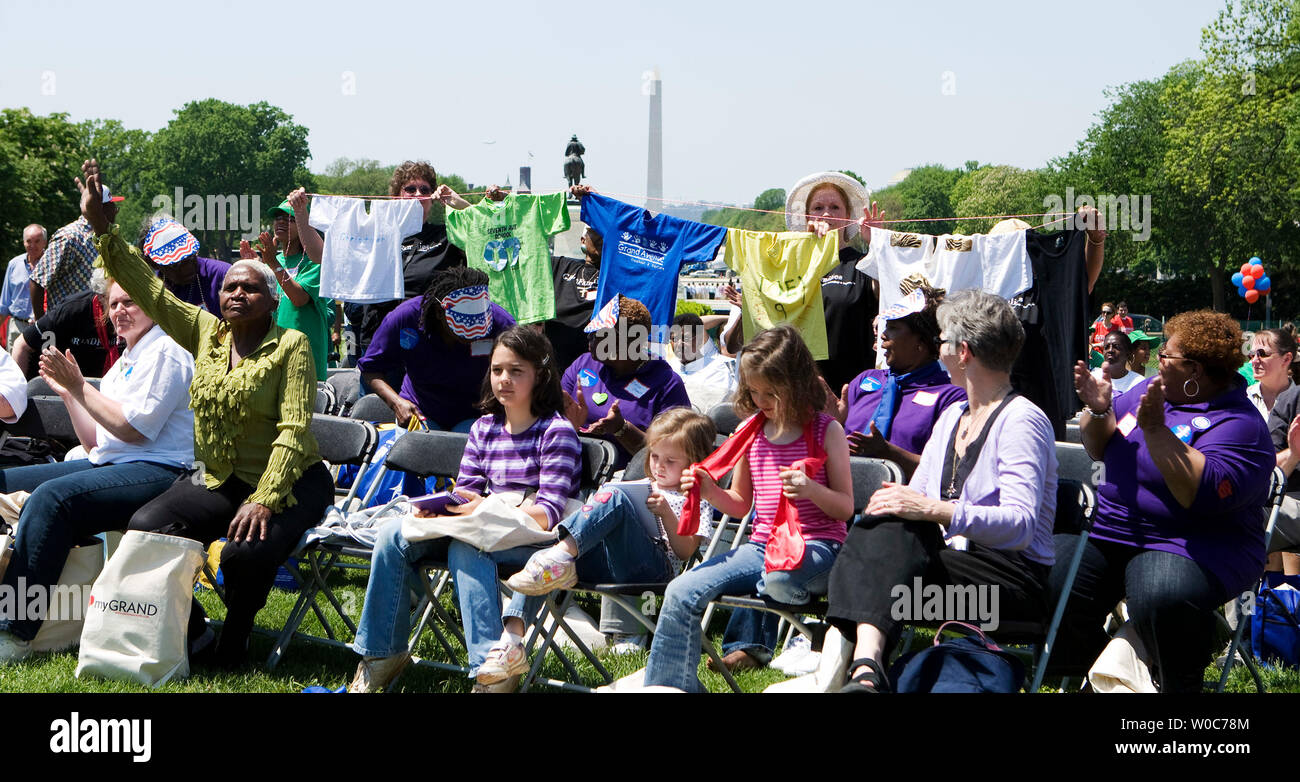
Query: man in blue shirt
{"points": [[15, 296]]}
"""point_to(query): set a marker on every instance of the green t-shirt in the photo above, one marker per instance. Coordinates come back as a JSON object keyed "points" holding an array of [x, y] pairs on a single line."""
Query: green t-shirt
{"points": [[507, 240], [313, 318]]}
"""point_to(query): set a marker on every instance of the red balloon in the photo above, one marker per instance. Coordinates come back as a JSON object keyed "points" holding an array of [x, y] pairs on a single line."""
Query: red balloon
{"points": [[1252, 296], [1257, 271], [1245, 270], [1248, 283]]}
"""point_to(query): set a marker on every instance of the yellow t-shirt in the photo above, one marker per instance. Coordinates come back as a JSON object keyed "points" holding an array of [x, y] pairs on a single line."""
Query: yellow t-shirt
{"points": [[781, 277]]}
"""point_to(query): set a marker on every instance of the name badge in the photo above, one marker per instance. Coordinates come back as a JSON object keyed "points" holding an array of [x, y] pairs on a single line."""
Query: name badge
{"points": [[1201, 422], [408, 338], [925, 398], [636, 389], [1126, 424], [480, 347]]}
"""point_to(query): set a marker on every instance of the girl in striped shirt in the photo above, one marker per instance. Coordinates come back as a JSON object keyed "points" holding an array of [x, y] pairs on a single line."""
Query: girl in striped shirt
{"points": [[524, 444]]}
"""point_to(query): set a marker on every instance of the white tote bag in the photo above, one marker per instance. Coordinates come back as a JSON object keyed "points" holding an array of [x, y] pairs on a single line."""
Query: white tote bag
{"points": [[82, 567], [496, 524], [139, 609]]}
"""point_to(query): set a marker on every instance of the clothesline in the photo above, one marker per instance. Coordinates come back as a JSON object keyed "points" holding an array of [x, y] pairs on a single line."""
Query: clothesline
{"points": [[1060, 216]]}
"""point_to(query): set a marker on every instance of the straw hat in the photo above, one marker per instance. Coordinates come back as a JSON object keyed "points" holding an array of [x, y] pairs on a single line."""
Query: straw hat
{"points": [[796, 203]]}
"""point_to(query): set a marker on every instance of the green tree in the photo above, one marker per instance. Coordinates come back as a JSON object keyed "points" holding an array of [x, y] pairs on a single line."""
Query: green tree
{"points": [[39, 157], [995, 190], [355, 177], [925, 193], [214, 148], [123, 155]]}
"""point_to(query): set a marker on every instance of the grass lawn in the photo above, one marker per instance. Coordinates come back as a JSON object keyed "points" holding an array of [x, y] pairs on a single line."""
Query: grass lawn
{"points": [[307, 663]]}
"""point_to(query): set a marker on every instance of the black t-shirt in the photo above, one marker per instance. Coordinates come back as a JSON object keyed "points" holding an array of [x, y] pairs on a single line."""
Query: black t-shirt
{"points": [[72, 322], [1279, 422], [575, 291], [423, 255], [1044, 371], [850, 307]]}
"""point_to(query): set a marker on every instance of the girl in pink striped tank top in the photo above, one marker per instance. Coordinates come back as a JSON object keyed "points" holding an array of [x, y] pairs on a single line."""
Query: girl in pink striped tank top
{"points": [[778, 378]]}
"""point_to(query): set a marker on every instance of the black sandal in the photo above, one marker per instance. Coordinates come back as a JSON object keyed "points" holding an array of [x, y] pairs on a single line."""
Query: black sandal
{"points": [[872, 680]]}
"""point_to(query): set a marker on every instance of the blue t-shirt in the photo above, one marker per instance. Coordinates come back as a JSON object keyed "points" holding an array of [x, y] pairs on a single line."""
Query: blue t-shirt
{"points": [[643, 254]]}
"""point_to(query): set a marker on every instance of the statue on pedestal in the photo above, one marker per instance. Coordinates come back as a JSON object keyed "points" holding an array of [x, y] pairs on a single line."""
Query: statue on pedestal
{"points": [[574, 168]]}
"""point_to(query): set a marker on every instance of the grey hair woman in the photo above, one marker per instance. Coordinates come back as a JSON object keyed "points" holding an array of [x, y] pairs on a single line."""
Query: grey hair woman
{"points": [[988, 475]]}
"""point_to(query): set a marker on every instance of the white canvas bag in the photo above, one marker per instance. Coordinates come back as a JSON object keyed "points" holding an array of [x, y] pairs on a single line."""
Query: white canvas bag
{"points": [[139, 608]]}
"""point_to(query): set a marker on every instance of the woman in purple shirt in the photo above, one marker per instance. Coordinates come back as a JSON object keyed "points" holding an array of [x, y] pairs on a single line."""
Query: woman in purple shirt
{"points": [[977, 512], [1179, 526], [889, 414]]}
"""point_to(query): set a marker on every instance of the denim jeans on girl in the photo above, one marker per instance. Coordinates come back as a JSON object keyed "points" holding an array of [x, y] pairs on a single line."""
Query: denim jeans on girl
{"points": [[386, 613], [614, 547], [675, 653], [71, 501]]}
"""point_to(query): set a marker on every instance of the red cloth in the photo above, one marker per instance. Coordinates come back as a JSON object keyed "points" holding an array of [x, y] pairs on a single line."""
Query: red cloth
{"points": [[784, 550], [101, 329]]}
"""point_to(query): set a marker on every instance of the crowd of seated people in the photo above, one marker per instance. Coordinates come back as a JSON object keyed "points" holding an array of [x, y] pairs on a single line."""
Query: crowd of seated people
{"points": [[206, 363]]}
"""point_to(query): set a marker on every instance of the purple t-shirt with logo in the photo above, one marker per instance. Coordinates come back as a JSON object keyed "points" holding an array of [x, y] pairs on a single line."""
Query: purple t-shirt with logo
{"points": [[444, 381], [1223, 531], [641, 396], [922, 404]]}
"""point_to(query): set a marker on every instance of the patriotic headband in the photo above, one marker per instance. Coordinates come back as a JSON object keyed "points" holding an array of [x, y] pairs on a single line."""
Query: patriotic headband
{"points": [[607, 318], [168, 242], [467, 312], [910, 304]]}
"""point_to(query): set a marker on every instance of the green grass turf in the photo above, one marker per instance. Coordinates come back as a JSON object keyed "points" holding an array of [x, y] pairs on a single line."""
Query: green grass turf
{"points": [[307, 663]]}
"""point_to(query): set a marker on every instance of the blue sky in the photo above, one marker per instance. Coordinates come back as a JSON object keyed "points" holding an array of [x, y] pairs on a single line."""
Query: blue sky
{"points": [[756, 94]]}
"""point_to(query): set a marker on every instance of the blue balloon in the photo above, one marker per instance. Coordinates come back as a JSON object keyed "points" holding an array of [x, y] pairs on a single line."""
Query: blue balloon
{"points": [[1241, 291], [1254, 259], [1263, 284], [1237, 278]]}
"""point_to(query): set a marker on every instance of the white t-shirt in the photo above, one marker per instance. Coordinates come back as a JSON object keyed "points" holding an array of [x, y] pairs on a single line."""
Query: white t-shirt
{"points": [[709, 379], [1121, 385], [997, 263], [362, 260], [152, 383], [13, 386]]}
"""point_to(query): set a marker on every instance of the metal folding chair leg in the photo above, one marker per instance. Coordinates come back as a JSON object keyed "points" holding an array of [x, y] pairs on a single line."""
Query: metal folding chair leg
{"points": [[549, 643]]}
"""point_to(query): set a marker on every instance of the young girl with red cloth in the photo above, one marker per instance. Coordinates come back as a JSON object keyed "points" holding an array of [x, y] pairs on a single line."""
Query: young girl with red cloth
{"points": [[790, 463]]}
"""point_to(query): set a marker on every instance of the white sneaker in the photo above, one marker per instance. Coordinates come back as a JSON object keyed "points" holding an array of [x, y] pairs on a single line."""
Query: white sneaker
{"points": [[505, 659], [546, 571], [799, 647], [622, 643], [13, 649], [832, 668]]}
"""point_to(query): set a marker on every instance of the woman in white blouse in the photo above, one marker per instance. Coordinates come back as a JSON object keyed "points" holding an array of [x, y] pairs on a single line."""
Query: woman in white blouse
{"points": [[138, 433]]}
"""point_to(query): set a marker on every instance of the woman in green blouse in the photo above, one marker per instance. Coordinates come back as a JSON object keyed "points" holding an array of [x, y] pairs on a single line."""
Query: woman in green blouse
{"points": [[260, 481]]}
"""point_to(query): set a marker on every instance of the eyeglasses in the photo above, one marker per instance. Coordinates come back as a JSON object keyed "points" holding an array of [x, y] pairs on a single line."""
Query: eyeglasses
{"points": [[421, 189], [1169, 357], [1260, 353]]}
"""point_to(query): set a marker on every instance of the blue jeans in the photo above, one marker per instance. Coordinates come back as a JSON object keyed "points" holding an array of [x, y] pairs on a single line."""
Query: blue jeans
{"points": [[675, 653], [614, 547], [386, 613], [71, 501], [1171, 602], [753, 632], [478, 593]]}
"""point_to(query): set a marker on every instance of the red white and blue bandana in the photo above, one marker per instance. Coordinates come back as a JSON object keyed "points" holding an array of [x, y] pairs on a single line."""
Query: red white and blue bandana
{"points": [[168, 242], [607, 318], [467, 311]]}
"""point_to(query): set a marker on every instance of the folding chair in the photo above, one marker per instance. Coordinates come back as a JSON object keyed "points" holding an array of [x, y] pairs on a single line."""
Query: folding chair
{"points": [[347, 388], [724, 418], [1276, 493], [341, 441], [373, 409], [324, 399]]}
